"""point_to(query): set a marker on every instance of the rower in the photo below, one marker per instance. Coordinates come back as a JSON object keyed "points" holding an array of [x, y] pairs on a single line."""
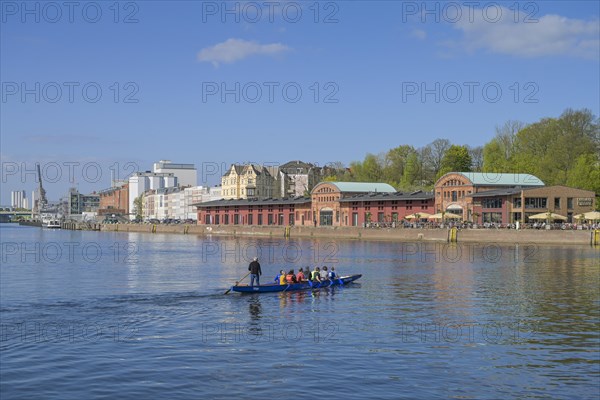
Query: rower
{"points": [[278, 277], [290, 277], [315, 275], [332, 274], [324, 274], [282, 280]]}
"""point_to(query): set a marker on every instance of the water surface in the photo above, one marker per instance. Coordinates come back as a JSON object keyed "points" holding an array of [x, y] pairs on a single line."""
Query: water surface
{"points": [[132, 315]]}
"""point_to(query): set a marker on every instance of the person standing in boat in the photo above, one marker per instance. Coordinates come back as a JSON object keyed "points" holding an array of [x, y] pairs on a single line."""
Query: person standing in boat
{"points": [[255, 272]]}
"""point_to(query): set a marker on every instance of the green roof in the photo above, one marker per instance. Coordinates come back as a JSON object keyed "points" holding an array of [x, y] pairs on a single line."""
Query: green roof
{"points": [[363, 187], [501, 179]]}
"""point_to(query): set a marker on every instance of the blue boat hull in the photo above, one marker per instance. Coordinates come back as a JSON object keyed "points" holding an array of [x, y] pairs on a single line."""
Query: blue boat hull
{"points": [[295, 286]]}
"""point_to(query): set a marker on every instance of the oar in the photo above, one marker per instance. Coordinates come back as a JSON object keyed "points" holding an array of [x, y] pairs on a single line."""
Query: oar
{"points": [[229, 290]]}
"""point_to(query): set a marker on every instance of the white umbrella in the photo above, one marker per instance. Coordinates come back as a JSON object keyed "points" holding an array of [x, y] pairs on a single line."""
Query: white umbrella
{"points": [[418, 215], [452, 216], [549, 216], [435, 216], [446, 215], [590, 216]]}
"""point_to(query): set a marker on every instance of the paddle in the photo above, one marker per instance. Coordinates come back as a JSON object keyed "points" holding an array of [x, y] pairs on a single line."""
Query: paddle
{"points": [[229, 290]]}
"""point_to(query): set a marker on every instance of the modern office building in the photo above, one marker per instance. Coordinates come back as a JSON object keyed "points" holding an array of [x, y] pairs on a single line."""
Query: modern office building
{"points": [[186, 174]]}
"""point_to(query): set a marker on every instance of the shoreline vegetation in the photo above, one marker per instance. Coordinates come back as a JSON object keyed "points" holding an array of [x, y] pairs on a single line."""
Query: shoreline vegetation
{"points": [[487, 236], [560, 151]]}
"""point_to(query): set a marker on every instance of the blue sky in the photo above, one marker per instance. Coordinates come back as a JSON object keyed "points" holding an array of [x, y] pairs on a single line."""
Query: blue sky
{"points": [[161, 76]]}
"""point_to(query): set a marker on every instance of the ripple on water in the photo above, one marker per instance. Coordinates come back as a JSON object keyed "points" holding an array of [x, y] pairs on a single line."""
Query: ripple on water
{"points": [[161, 327]]}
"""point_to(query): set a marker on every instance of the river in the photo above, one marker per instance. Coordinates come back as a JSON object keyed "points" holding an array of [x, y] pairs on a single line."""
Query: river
{"points": [[139, 315]]}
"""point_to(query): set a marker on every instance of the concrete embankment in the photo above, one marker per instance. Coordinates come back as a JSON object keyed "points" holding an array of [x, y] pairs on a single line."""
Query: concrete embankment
{"points": [[556, 237]]}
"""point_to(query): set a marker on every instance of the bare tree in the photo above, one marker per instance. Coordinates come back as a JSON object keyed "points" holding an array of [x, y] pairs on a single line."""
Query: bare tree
{"points": [[506, 136], [476, 154], [434, 153]]}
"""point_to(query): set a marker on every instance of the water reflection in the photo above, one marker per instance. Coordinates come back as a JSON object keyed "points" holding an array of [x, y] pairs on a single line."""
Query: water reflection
{"points": [[523, 324], [255, 308]]}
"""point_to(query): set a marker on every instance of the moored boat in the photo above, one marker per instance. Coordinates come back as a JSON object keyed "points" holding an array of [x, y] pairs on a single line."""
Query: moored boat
{"points": [[295, 286], [53, 224]]}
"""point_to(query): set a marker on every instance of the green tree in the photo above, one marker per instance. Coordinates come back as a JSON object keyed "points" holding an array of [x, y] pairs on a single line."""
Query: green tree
{"points": [[498, 153], [493, 157], [585, 174], [457, 158], [412, 172], [138, 205], [550, 147], [395, 163], [370, 170]]}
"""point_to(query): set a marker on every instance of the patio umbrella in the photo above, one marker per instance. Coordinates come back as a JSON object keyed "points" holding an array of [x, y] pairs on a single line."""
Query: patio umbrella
{"points": [[446, 215], [452, 216], [421, 215], [548, 216], [591, 216]]}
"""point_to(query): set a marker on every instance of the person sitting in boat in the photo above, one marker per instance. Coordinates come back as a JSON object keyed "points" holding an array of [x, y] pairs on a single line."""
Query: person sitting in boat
{"points": [[300, 275], [332, 274], [315, 275], [324, 274], [278, 277], [290, 277], [282, 278]]}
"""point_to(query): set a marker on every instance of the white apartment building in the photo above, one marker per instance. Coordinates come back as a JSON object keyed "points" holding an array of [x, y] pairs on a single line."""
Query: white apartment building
{"points": [[175, 203], [140, 182], [17, 198]]}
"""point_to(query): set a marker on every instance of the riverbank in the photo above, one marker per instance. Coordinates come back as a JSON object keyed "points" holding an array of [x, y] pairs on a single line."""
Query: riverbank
{"points": [[556, 237]]}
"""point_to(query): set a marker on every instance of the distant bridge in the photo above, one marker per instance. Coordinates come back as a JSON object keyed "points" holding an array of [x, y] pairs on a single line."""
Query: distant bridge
{"points": [[7, 216]]}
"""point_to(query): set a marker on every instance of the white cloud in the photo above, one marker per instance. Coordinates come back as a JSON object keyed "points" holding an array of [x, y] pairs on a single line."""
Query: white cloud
{"points": [[233, 50], [547, 36], [419, 34]]}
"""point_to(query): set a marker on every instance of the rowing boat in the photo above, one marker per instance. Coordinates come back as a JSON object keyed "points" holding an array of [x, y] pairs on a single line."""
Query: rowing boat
{"points": [[295, 286]]}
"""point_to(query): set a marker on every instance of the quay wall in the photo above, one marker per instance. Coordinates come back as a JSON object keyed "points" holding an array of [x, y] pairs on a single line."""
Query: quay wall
{"points": [[509, 236]]}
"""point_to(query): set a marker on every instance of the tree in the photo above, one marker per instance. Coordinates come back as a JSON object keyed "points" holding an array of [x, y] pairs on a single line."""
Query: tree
{"points": [[370, 170], [585, 174], [550, 147], [457, 158], [412, 172], [395, 162], [433, 155], [138, 205], [493, 157], [498, 153], [476, 154], [336, 171]]}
